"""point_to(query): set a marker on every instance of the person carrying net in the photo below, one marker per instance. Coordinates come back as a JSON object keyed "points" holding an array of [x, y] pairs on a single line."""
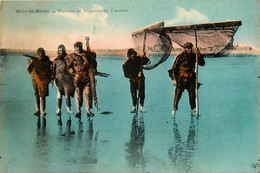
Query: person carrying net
{"points": [[132, 68], [183, 75]]}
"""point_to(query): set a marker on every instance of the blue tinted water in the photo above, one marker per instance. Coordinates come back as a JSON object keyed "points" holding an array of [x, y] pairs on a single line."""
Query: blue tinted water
{"points": [[223, 139]]}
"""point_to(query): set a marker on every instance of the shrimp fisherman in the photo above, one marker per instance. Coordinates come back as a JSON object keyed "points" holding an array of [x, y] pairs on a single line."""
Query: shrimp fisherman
{"points": [[132, 68], [184, 76], [40, 69], [63, 80], [82, 67]]}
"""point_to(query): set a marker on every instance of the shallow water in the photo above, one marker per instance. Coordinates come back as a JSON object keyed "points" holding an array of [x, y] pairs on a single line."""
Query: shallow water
{"points": [[223, 139]]}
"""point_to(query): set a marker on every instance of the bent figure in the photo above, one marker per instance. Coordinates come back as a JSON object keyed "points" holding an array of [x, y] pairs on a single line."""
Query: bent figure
{"points": [[40, 69], [184, 76], [63, 80], [82, 67], [132, 68]]}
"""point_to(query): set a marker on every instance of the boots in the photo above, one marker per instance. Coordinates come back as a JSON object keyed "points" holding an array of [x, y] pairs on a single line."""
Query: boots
{"points": [[142, 109], [133, 110], [193, 112], [78, 114], [42, 106], [173, 111], [37, 113], [69, 111], [59, 102], [89, 113]]}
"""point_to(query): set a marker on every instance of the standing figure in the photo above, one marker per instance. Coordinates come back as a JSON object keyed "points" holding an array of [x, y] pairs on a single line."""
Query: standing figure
{"points": [[132, 68], [40, 69], [82, 67], [184, 76], [63, 80]]}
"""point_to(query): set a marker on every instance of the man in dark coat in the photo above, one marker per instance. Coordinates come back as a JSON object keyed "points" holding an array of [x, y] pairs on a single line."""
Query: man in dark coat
{"points": [[82, 66], [63, 80], [132, 68], [40, 69], [184, 76]]}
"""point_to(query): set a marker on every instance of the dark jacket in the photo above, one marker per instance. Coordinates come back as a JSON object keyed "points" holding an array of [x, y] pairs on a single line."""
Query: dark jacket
{"points": [[132, 67], [184, 65]]}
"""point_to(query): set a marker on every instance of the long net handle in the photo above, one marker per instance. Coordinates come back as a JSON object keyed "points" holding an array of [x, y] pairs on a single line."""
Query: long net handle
{"points": [[196, 72], [141, 70]]}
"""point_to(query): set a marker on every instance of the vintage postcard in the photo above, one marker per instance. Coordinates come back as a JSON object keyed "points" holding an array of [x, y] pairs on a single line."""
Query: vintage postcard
{"points": [[114, 86]]}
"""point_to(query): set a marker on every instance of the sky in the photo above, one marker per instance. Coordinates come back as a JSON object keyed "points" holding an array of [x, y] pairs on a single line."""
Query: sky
{"points": [[110, 23]]}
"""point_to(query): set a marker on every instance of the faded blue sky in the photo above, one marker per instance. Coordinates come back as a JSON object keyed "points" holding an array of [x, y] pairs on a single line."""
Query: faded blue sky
{"points": [[112, 29]]}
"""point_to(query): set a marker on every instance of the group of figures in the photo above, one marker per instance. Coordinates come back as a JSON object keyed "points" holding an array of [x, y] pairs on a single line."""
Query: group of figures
{"points": [[75, 73], [182, 73]]}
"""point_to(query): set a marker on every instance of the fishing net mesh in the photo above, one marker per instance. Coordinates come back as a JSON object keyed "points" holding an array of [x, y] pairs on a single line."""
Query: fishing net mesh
{"points": [[213, 39], [157, 47]]}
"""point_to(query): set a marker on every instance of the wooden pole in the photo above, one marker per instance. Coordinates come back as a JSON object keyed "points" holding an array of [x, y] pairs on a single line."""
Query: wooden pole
{"points": [[196, 72], [141, 70]]}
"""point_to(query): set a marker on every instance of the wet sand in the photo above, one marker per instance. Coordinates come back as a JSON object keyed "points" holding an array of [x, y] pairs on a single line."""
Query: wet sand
{"points": [[223, 139]]}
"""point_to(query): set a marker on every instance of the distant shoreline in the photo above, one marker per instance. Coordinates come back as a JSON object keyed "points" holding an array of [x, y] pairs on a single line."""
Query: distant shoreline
{"points": [[238, 51]]}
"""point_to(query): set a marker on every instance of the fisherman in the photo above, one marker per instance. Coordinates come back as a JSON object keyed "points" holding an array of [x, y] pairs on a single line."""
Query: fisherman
{"points": [[63, 80], [40, 69], [83, 67], [184, 76], [132, 68]]}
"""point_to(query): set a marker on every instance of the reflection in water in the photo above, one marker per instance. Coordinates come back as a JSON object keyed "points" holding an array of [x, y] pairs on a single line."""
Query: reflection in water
{"points": [[59, 122], [90, 130], [135, 145], [39, 122], [90, 153], [42, 148], [43, 122], [182, 153], [68, 132], [79, 147]]}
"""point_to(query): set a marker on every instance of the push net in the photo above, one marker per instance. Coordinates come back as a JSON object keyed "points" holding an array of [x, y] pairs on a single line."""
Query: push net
{"points": [[213, 39], [154, 42]]}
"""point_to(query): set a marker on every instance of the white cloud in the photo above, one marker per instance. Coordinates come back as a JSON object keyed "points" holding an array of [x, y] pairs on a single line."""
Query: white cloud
{"points": [[94, 15], [187, 17], [76, 28]]}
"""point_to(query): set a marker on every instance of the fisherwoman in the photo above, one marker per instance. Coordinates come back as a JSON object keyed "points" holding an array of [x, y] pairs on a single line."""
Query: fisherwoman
{"points": [[63, 80], [40, 69]]}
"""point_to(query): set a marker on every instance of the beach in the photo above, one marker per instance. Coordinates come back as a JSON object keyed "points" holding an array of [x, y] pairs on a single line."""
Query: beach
{"points": [[223, 139]]}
